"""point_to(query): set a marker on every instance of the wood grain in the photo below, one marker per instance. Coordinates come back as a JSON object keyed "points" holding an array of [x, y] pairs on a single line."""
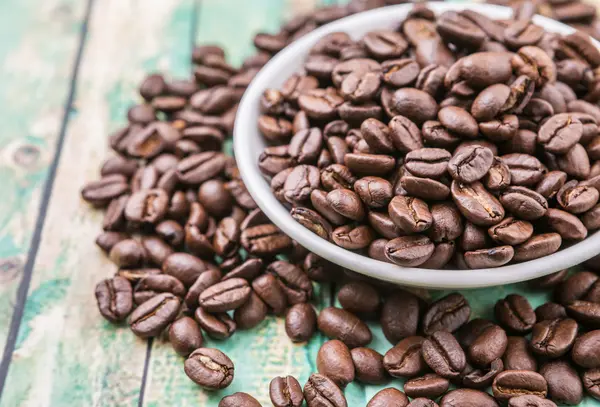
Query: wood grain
{"points": [[33, 91], [66, 354]]}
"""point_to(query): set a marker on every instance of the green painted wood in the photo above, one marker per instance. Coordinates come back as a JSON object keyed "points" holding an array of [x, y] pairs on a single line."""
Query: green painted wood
{"points": [[33, 90], [66, 354]]}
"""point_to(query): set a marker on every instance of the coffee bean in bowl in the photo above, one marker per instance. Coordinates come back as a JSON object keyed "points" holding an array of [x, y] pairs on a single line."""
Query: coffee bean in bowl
{"points": [[379, 142]]}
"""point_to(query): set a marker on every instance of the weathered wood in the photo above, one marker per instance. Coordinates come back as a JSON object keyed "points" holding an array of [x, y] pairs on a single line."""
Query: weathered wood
{"points": [[66, 354], [33, 90]]}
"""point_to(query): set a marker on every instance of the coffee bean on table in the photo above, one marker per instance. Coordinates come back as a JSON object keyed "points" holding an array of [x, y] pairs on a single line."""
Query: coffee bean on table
{"points": [[340, 324], [114, 298], [422, 402], [467, 398], [300, 322], [389, 397], [368, 366], [481, 378], [286, 392], [550, 311], [185, 336], [218, 326], [553, 338], [405, 359], [400, 315], [446, 314], [335, 362], [515, 314], [251, 313], [585, 350], [239, 399], [128, 253], [319, 390], [225, 296], [153, 316], [443, 354], [579, 286], [359, 297], [530, 401], [518, 382], [152, 285], [591, 380], [184, 267], [564, 384], [430, 386], [489, 345], [210, 368]]}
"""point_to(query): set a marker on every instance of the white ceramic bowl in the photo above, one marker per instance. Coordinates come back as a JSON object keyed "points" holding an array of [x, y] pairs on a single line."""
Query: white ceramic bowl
{"points": [[248, 144]]}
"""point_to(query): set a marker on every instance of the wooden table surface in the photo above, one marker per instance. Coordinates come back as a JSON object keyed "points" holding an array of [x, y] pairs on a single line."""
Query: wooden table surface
{"points": [[69, 71]]}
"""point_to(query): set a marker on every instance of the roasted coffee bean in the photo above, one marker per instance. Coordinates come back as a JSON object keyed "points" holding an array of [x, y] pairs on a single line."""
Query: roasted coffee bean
{"points": [[425, 188], [184, 267], [368, 366], [447, 224], [251, 313], [300, 322], [319, 390], [404, 134], [550, 311], [209, 368], [286, 392], [427, 162], [135, 275], [518, 355], [353, 238], [553, 338], [225, 296], [577, 198], [491, 257], [335, 362], [511, 231], [474, 238], [185, 336], [114, 298], [567, 225], [340, 324], [585, 348], [409, 251], [446, 314], [268, 289], [443, 354], [489, 345], [389, 397], [147, 206], [430, 386], [530, 401], [518, 382], [477, 204], [538, 246], [239, 399], [400, 315], [150, 318], [483, 377], [264, 240], [515, 314], [203, 281], [101, 193], [152, 285], [524, 203], [590, 380], [410, 214], [156, 249], [293, 281], [359, 297], [218, 326], [405, 359], [467, 398], [375, 192], [201, 167], [422, 402], [586, 313], [128, 253], [471, 164], [580, 286], [575, 162], [560, 133], [564, 384]]}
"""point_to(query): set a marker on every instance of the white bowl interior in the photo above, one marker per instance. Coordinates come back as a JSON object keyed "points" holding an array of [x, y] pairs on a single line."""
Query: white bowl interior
{"points": [[248, 145]]}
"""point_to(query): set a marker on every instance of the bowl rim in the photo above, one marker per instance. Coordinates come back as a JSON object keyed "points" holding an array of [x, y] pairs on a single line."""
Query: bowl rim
{"points": [[259, 188]]}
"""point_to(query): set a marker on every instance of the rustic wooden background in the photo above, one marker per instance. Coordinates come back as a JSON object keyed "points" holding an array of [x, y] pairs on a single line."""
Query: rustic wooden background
{"points": [[69, 70]]}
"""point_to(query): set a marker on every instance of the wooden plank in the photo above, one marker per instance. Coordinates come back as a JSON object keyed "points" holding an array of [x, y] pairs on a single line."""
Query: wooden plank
{"points": [[66, 354], [33, 90]]}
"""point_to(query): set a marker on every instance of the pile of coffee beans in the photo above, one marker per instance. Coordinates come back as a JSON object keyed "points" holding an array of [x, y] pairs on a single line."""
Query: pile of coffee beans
{"points": [[578, 14], [454, 138], [196, 257]]}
